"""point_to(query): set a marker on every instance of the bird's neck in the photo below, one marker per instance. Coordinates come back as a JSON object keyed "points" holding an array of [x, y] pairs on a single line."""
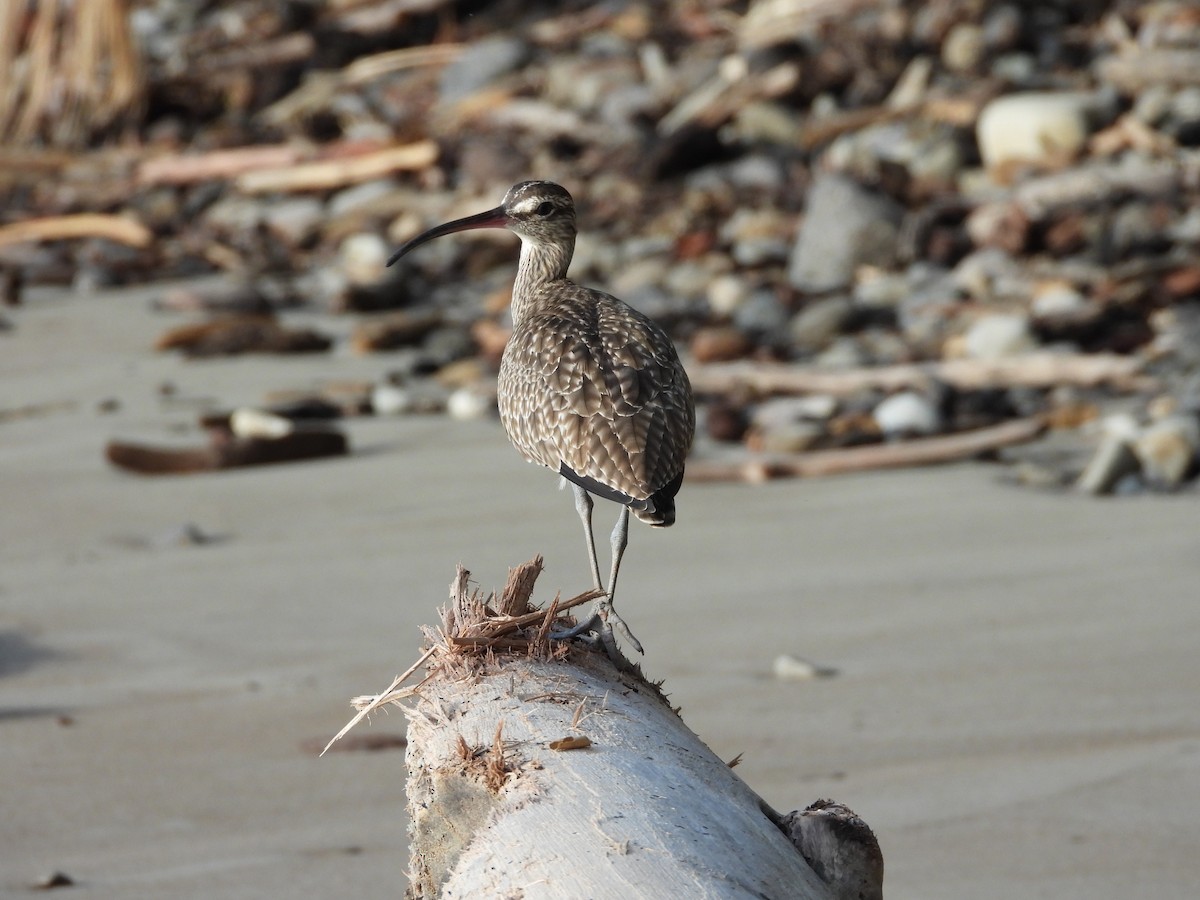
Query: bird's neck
{"points": [[540, 265]]}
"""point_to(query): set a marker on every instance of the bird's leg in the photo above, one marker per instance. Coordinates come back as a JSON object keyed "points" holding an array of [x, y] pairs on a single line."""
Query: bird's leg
{"points": [[620, 540], [598, 621], [583, 506]]}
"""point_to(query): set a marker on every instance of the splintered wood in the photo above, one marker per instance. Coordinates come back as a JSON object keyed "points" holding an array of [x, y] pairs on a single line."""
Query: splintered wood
{"points": [[505, 622], [473, 625]]}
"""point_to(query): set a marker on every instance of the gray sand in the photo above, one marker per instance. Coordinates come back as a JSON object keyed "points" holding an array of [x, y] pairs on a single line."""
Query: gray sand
{"points": [[1015, 711]]}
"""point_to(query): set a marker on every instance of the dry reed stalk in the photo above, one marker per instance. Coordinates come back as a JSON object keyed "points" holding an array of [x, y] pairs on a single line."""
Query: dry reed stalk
{"points": [[71, 70]]}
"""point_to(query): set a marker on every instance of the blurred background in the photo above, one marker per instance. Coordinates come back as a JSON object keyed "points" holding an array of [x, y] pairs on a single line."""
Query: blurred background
{"points": [[882, 234]]}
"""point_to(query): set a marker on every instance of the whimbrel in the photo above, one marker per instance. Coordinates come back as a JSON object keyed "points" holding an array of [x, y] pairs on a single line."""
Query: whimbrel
{"points": [[589, 386]]}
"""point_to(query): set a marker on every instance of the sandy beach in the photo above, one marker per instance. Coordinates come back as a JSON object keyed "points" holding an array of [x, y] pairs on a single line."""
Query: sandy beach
{"points": [[1014, 709]]}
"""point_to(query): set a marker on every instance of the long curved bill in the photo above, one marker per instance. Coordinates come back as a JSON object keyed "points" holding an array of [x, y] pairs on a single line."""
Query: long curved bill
{"points": [[493, 218]]}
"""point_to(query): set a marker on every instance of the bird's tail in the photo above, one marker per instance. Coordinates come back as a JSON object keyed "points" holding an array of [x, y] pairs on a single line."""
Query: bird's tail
{"points": [[659, 508], [658, 516]]}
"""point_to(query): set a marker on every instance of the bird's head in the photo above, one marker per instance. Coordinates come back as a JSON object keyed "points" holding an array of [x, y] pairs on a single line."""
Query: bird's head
{"points": [[541, 212]]}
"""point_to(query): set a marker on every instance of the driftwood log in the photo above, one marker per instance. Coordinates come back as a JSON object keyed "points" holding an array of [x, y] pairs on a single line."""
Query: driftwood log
{"points": [[537, 769], [1035, 370], [928, 451]]}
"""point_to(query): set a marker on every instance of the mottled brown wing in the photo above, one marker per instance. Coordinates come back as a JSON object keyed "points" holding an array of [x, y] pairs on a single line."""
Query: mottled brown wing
{"points": [[597, 386]]}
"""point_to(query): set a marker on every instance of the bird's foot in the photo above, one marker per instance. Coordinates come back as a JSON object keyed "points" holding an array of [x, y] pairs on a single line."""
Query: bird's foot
{"points": [[611, 617], [598, 629], [583, 631]]}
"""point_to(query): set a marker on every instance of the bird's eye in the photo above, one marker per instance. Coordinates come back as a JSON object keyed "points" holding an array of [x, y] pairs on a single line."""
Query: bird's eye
{"points": [[545, 208]]}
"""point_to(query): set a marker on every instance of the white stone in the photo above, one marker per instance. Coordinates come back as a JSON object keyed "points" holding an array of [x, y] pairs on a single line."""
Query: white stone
{"points": [[362, 257], [907, 413], [726, 293], [987, 274], [1058, 301], [793, 437], [845, 226], [789, 668], [962, 50], [1112, 461], [256, 423], [1122, 426], [998, 335], [468, 403], [780, 411], [391, 400], [1035, 127]]}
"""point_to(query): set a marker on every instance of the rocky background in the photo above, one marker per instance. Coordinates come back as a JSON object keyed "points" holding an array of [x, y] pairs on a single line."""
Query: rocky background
{"points": [[886, 233]]}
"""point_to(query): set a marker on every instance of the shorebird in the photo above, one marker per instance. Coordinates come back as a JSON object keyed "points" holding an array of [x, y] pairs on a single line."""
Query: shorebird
{"points": [[588, 387]]}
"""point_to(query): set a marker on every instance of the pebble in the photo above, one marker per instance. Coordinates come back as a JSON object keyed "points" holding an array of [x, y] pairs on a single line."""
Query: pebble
{"points": [[927, 151], [845, 226], [764, 123], [719, 343], [1184, 115], [470, 403], [846, 352], [757, 172], [725, 421], [294, 219], [814, 327], [362, 258], [1058, 301], [757, 237], [998, 335], [882, 289], [235, 215], [1112, 461], [489, 58], [358, 196], [786, 667], [1018, 69], [1002, 27], [1001, 225], [246, 422], [1033, 127], [1167, 450], [391, 400], [687, 279], [907, 414], [726, 293], [443, 346], [779, 411], [793, 437], [1122, 426], [989, 274], [1135, 228], [759, 251], [963, 48], [638, 275], [762, 316], [1153, 104]]}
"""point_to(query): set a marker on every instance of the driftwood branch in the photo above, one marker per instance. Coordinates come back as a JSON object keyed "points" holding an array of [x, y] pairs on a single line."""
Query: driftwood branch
{"points": [[1035, 370], [919, 452], [545, 772], [190, 168], [335, 173], [122, 229]]}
